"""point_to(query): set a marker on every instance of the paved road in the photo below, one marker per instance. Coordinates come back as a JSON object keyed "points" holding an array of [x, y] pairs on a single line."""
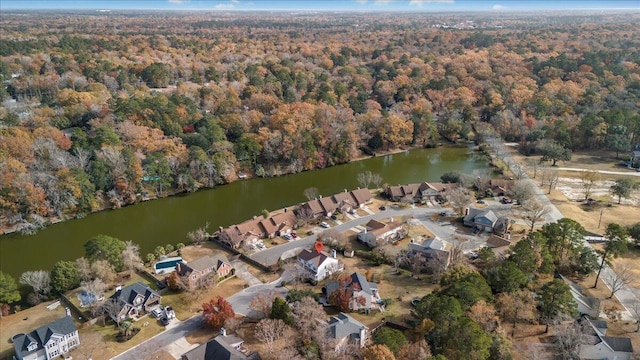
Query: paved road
{"points": [[173, 333], [625, 296], [271, 255], [630, 172]]}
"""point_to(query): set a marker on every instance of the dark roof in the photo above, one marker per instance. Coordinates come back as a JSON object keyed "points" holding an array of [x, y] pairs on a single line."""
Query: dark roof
{"points": [[600, 324], [343, 325], [206, 262], [218, 349], [618, 343], [41, 335], [312, 255], [361, 280], [128, 293]]}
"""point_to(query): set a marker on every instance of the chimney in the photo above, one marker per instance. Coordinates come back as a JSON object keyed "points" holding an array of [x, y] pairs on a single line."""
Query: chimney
{"points": [[508, 236], [118, 288], [334, 254], [392, 219], [345, 190], [363, 336], [223, 331], [68, 311], [466, 211], [220, 228]]}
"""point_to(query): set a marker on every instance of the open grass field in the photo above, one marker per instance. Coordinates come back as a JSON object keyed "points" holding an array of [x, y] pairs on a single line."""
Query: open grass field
{"points": [[188, 304]]}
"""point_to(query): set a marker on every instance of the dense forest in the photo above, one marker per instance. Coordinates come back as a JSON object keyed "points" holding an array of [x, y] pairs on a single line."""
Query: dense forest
{"points": [[103, 110]]}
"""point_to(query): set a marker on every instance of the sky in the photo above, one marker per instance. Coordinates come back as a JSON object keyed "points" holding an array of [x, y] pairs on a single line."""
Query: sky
{"points": [[324, 5]]}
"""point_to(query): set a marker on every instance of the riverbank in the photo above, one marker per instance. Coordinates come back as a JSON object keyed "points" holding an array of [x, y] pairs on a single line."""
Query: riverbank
{"points": [[244, 174]]}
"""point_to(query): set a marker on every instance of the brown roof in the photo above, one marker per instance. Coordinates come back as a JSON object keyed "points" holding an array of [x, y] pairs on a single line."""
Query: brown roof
{"points": [[374, 224], [328, 204], [315, 257], [361, 195], [315, 206], [376, 227], [343, 196], [206, 262]]}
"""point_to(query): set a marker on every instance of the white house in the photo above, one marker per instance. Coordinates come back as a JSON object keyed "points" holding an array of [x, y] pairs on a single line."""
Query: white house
{"points": [[49, 341], [600, 346], [319, 265], [433, 248], [344, 329], [376, 232]]}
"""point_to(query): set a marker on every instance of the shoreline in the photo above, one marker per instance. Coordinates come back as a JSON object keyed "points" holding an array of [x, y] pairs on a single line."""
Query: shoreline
{"points": [[8, 230]]}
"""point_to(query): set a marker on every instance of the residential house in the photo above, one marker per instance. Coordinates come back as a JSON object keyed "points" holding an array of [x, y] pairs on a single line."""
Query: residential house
{"points": [[418, 192], [50, 341], [501, 244], [599, 346], [500, 187], [363, 295], [376, 233], [257, 228], [222, 347], [586, 305], [433, 249], [344, 329], [342, 202], [483, 220], [318, 265], [131, 301], [196, 271]]}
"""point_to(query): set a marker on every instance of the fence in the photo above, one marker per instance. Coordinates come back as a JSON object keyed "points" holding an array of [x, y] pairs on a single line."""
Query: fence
{"points": [[79, 313], [145, 274]]}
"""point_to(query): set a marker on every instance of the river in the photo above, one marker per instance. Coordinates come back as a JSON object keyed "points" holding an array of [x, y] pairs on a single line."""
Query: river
{"points": [[168, 220]]}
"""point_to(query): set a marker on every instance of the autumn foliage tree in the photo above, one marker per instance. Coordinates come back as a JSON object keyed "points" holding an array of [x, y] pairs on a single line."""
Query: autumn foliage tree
{"points": [[216, 311]]}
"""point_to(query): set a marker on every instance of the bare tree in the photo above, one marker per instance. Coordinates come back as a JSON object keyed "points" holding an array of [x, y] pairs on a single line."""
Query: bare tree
{"points": [[519, 172], [619, 277], [311, 193], [103, 270], [521, 191], [459, 198], [550, 177], [96, 288], [261, 304], [113, 307], [84, 268], [533, 163], [131, 256], [232, 324], [376, 180], [333, 238], [635, 312], [520, 305], [199, 235], [39, 280], [367, 178], [534, 212], [569, 338], [482, 181], [588, 178], [308, 314], [268, 331]]}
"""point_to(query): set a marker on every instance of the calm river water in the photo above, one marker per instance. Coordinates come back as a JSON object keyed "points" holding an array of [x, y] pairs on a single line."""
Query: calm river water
{"points": [[167, 221]]}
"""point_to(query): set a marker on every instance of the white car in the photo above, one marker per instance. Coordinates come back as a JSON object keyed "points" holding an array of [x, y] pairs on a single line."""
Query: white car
{"points": [[324, 225], [157, 312]]}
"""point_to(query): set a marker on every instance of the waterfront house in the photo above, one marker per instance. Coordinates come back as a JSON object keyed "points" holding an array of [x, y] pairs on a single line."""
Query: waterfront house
{"points": [[344, 329], [318, 266], [50, 341], [254, 229], [196, 271], [376, 233], [329, 205], [500, 187], [131, 301], [362, 294], [418, 192], [222, 347]]}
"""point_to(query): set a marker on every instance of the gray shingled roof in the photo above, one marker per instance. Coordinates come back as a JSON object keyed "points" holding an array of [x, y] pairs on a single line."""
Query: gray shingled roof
{"points": [[362, 281], [343, 325], [618, 343], [41, 335], [128, 293], [218, 349]]}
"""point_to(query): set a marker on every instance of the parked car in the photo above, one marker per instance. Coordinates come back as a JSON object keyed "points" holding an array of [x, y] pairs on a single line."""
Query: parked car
{"points": [[286, 237], [261, 246], [157, 312], [472, 255], [170, 314], [480, 201], [333, 217], [444, 213], [383, 208], [165, 321], [310, 232], [324, 225], [294, 235]]}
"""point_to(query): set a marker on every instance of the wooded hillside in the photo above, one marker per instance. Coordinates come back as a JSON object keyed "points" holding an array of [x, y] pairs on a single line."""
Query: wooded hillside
{"points": [[99, 109]]}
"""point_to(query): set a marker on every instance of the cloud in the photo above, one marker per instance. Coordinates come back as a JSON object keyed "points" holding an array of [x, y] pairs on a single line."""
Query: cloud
{"points": [[178, 2], [419, 3], [224, 6], [362, 1], [235, 1], [382, 2], [498, 7]]}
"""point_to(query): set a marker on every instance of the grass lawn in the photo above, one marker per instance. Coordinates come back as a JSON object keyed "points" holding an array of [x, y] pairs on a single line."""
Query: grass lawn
{"points": [[109, 332], [187, 304]]}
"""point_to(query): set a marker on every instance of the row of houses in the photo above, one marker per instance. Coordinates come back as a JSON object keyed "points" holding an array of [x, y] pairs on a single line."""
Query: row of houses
{"points": [[236, 236], [343, 202], [436, 191]]}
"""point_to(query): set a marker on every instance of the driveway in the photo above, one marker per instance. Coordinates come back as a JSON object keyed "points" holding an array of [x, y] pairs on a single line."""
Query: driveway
{"points": [[241, 300]]}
